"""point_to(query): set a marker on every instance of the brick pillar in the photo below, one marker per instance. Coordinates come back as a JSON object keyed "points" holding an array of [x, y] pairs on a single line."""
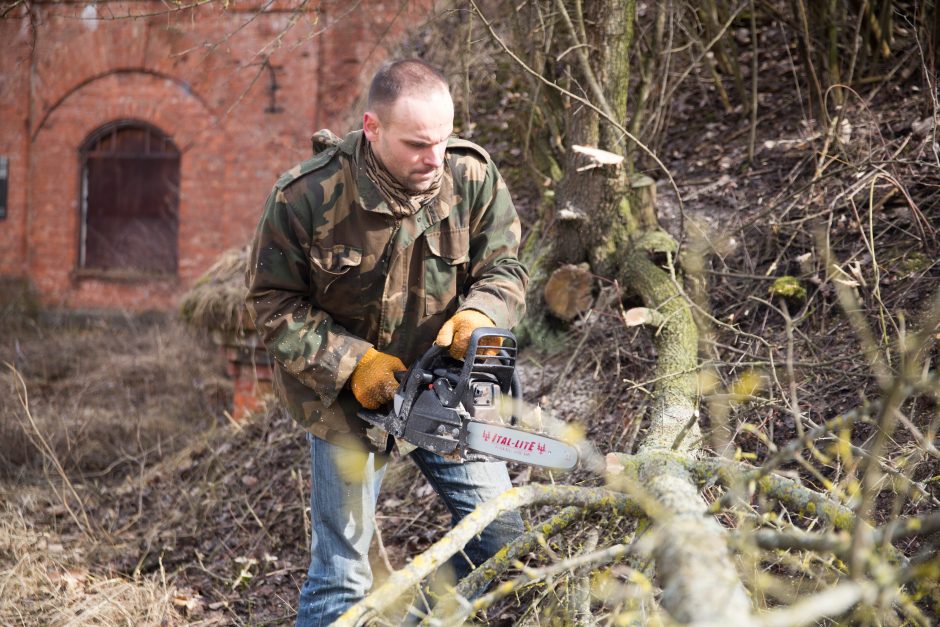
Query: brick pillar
{"points": [[249, 367]]}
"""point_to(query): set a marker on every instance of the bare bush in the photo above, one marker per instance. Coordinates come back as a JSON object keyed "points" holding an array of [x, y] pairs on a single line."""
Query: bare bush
{"points": [[104, 393], [45, 580]]}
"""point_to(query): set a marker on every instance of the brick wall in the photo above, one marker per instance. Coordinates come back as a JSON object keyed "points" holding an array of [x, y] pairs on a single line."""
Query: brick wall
{"points": [[238, 90]]}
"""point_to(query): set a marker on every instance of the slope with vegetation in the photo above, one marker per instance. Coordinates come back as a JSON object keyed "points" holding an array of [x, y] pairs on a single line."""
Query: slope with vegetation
{"points": [[803, 194]]}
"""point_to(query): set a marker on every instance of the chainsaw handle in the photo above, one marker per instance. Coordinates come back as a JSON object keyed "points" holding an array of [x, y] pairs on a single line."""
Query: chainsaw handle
{"points": [[409, 383], [501, 365], [424, 363]]}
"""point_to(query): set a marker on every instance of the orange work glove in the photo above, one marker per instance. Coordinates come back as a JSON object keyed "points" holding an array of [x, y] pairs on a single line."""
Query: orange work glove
{"points": [[373, 381], [456, 331]]}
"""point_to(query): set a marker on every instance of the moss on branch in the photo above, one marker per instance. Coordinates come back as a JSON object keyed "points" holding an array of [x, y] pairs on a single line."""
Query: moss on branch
{"points": [[673, 421], [791, 492], [424, 564]]}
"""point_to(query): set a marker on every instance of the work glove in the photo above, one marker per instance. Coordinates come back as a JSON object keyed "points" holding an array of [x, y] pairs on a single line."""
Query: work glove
{"points": [[456, 332], [373, 381]]}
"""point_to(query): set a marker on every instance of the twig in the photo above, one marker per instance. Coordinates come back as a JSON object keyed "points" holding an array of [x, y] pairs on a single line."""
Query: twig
{"points": [[402, 580], [791, 372], [486, 572], [829, 603], [840, 544], [581, 595], [583, 101], [534, 575], [85, 523], [383, 552], [752, 135], [577, 352]]}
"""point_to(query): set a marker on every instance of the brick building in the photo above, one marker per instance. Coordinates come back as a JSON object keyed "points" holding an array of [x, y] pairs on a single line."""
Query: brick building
{"points": [[138, 139]]}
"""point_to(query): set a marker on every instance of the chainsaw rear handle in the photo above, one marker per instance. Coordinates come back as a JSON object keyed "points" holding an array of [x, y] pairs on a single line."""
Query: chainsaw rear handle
{"points": [[425, 361]]}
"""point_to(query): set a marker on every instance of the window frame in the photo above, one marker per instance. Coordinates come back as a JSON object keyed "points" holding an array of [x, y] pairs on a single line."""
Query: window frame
{"points": [[4, 186], [90, 149]]}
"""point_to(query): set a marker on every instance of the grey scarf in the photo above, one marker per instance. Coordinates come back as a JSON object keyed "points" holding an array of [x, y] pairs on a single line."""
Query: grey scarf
{"points": [[400, 200]]}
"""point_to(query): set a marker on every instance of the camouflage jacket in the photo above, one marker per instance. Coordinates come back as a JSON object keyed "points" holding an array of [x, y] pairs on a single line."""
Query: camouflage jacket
{"points": [[332, 273]]}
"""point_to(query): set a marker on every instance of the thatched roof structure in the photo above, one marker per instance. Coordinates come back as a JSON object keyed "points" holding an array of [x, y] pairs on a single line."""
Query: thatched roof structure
{"points": [[216, 302]]}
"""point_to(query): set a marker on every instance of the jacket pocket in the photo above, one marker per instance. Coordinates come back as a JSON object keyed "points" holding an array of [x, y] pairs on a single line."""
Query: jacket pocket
{"points": [[339, 263], [446, 261]]}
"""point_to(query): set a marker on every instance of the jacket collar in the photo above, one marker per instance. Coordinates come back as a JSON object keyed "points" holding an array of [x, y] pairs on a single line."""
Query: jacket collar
{"points": [[371, 199]]}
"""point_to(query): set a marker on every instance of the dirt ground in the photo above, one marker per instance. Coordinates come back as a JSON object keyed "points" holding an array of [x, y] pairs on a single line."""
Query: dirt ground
{"points": [[129, 497]]}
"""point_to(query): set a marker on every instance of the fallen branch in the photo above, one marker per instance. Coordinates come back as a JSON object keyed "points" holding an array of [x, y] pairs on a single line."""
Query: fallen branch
{"points": [[840, 543], [694, 566], [471, 525], [788, 491], [492, 568], [529, 576], [829, 603]]}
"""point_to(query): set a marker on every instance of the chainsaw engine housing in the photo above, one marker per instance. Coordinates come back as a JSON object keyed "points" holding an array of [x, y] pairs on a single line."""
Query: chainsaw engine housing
{"points": [[439, 394], [467, 410]]}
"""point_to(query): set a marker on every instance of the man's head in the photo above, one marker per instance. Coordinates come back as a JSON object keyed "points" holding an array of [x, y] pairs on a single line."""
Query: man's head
{"points": [[408, 119]]}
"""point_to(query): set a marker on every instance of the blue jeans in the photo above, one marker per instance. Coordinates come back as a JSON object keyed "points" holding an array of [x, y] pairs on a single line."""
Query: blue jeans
{"points": [[345, 488]]}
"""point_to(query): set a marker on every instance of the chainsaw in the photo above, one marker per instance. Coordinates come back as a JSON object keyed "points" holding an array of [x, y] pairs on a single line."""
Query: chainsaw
{"points": [[468, 411]]}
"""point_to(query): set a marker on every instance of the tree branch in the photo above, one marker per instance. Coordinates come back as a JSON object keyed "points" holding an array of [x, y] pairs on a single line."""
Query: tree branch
{"points": [[840, 544], [492, 568], [422, 565], [585, 102], [589, 560], [789, 491], [829, 603], [579, 51]]}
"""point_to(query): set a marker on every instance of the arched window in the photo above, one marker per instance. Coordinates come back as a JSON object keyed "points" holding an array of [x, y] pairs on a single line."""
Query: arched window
{"points": [[130, 199]]}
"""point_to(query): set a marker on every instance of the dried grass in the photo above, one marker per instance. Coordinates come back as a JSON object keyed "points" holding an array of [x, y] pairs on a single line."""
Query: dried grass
{"points": [[105, 394], [217, 300], [17, 299], [43, 582]]}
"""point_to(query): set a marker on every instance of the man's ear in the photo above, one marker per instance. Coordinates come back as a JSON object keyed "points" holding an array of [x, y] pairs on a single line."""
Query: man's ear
{"points": [[371, 125]]}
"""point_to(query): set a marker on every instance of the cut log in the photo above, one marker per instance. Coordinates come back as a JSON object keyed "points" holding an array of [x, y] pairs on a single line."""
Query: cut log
{"points": [[568, 291]]}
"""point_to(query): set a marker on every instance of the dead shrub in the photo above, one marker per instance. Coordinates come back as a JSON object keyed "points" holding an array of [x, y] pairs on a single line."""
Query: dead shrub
{"points": [[105, 393], [44, 581]]}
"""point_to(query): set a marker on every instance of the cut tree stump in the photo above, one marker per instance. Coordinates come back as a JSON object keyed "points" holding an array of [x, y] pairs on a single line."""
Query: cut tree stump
{"points": [[568, 291]]}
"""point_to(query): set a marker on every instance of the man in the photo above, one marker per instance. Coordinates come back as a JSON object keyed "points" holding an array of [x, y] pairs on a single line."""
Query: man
{"points": [[395, 237]]}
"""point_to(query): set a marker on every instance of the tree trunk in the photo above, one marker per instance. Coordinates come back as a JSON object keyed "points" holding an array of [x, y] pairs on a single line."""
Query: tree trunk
{"points": [[592, 217], [606, 217]]}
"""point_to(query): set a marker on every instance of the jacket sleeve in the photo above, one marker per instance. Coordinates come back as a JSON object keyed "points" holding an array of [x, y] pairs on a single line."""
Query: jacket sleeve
{"points": [[497, 278], [304, 340]]}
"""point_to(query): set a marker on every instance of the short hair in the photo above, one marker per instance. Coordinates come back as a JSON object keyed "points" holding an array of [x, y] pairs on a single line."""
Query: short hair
{"points": [[405, 76]]}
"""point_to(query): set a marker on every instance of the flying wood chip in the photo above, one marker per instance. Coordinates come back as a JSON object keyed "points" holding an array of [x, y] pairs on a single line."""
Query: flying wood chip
{"points": [[597, 156]]}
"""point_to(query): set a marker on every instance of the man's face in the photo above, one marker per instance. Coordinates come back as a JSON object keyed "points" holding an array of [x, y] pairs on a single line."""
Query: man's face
{"points": [[409, 137]]}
